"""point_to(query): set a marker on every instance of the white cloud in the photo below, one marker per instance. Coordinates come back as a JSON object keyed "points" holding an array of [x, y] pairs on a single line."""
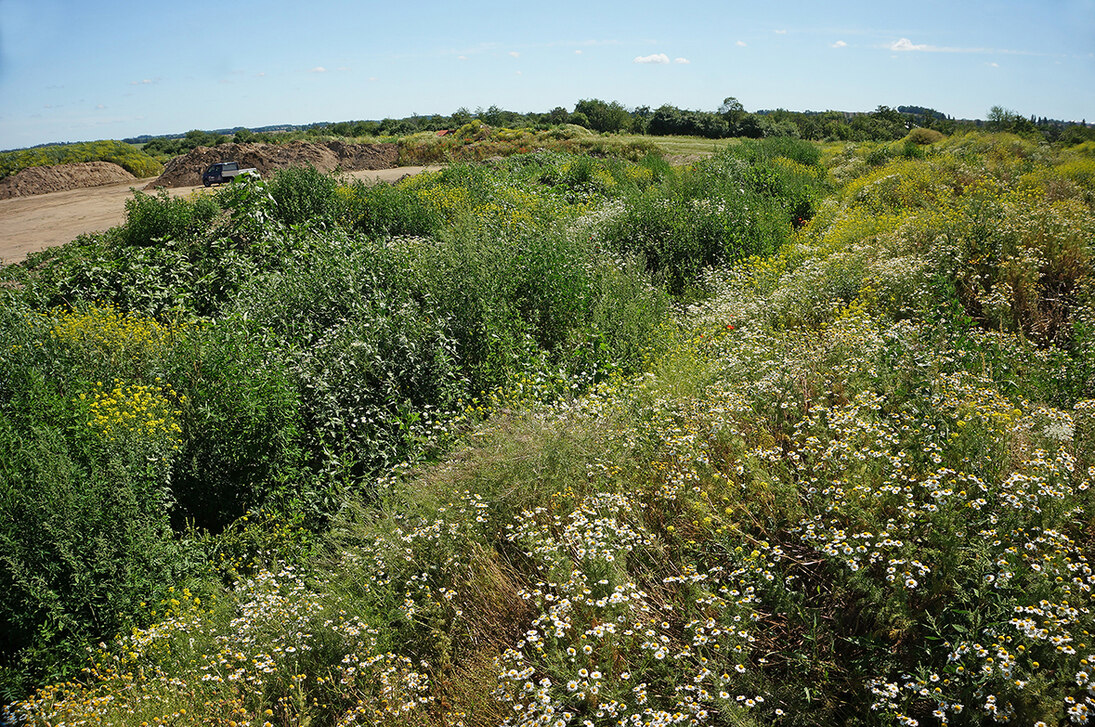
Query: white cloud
{"points": [[904, 44], [319, 69], [653, 58], [780, 32], [142, 82], [100, 106], [840, 44], [577, 52], [740, 44], [682, 61], [994, 64], [519, 73], [461, 58], [515, 54]]}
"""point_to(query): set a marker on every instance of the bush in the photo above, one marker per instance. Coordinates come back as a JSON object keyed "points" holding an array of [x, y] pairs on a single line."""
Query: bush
{"points": [[741, 202], [387, 210], [240, 434], [86, 539], [923, 136], [150, 219], [806, 153], [678, 235], [85, 494], [303, 194]]}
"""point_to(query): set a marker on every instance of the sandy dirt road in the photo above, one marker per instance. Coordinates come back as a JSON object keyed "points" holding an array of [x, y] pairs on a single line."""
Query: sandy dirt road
{"points": [[30, 224]]}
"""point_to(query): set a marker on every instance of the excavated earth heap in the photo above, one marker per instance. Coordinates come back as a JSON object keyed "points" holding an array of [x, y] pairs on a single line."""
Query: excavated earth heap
{"points": [[186, 170], [59, 177]]}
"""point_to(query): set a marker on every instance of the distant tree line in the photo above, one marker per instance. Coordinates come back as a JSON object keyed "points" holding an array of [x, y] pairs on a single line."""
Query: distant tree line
{"points": [[729, 120], [163, 146], [166, 146]]}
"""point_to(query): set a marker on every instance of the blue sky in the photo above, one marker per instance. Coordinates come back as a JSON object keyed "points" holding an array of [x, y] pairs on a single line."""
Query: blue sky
{"points": [[75, 70]]}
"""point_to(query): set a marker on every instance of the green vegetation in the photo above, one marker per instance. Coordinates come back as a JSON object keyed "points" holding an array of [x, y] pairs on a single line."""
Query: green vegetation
{"points": [[596, 127], [136, 162], [164, 148], [476, 141], [795, 435], [730, 120]]}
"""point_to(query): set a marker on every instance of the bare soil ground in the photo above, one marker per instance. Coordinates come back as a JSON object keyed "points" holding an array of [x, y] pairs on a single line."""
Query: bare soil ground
{"points": [[30, 224]]}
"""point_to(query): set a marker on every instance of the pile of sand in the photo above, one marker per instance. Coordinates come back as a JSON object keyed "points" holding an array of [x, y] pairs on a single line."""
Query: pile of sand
{"points": [[59, 177], [186, 170]]}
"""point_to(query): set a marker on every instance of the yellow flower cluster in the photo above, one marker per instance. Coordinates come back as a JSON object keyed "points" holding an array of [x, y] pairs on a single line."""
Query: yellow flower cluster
{"points": [[143, 410], [449, 201], [110, 332], [905, 184], [642, 176]]}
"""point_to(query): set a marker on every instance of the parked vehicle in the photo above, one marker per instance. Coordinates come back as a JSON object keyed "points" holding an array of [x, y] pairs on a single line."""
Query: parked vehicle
{"points": [[222, 172]]}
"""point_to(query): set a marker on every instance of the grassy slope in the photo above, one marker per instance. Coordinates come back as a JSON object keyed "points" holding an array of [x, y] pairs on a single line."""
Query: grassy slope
{"points": [[851, 486]]}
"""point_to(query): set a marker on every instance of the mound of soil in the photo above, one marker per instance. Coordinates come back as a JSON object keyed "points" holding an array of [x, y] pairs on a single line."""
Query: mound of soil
{"points": [[186, 170], [59, 177]]}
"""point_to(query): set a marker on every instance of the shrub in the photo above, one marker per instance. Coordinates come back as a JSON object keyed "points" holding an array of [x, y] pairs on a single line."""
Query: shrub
{"points": [[85, 538], [303, 194], [1021, 260], [741, 202], [387, 210], [923, 136], [150, 219], [679, 236], [84, 487], [240, 421], [369, 358], [804, 152]]}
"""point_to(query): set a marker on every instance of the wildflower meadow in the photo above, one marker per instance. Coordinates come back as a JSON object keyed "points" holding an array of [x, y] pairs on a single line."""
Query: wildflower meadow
{"points": [[796, 434]]}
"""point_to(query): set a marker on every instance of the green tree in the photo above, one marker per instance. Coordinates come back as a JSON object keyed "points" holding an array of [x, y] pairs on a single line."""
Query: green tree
{"points": [[460, 117], [558, 115], [732, 110], [1004, 119], [604, 116]]}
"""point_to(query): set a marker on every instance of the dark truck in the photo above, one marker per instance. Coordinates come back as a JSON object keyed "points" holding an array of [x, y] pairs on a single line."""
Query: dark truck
{"points": [[223, 172]]}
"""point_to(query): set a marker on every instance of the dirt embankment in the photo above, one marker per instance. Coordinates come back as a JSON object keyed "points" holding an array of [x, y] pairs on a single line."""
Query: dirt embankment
{"points": [[186, 171], [61, 177]]}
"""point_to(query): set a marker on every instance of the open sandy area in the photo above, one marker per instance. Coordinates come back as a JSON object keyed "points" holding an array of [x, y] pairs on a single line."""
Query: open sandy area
{"points": [[30, 224]]}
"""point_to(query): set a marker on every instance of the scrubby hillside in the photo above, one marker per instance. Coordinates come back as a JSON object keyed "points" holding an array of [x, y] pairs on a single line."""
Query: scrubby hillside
{"points": [[796, 436], [127, 156]]}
